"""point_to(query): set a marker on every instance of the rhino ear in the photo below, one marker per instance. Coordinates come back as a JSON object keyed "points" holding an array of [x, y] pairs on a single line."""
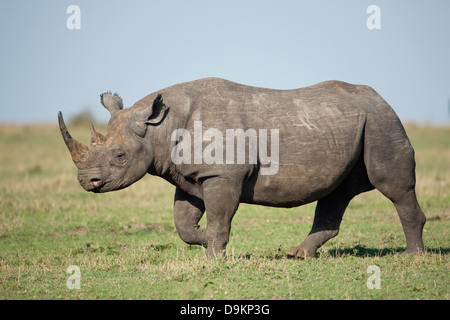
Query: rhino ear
{"points": [[112, 102], [151, 115], [158, 111]]}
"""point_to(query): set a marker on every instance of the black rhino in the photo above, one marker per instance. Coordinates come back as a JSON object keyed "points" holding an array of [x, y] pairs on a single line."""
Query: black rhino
{"points": [[327, 142]]}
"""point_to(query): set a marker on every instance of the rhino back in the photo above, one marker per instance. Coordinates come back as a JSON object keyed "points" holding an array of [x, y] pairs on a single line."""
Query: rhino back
{"points": [[320, 132]]}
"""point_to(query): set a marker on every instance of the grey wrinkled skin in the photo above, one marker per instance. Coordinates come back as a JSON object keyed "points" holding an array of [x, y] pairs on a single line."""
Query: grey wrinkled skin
{"points": [[336, 140]]}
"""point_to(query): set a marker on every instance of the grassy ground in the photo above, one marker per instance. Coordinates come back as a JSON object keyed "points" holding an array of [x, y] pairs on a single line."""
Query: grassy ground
{"points": [[126, 246]]}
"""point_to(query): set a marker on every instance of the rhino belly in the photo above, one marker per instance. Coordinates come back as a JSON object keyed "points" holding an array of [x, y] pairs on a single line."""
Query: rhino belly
{"points": [[314, 158]]}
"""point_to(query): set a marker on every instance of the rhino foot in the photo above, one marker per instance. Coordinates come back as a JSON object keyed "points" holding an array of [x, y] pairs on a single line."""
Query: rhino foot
{"points": [[301, 252], [417, 251]]}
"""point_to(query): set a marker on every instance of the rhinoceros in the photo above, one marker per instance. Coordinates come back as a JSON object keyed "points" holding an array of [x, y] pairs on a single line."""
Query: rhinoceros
{"points": [[210, 138]]}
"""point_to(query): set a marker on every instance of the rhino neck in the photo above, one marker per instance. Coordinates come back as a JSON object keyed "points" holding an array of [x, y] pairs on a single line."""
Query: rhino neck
{"points": [[160, 140], [162, 145]]}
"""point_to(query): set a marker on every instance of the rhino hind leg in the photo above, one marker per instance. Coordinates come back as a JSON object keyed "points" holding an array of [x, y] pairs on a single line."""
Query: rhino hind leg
{"points": [[391, 169], [411, 216], [188, 211], [327, 219], [413, 220], [330, 209]]}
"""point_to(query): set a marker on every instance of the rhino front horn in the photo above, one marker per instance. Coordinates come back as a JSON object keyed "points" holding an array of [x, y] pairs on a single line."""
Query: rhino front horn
{"points": [[77, 149]]}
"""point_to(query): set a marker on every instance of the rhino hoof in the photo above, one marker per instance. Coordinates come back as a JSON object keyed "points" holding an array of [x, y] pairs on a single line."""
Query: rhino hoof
{"points": [[301, 252]]}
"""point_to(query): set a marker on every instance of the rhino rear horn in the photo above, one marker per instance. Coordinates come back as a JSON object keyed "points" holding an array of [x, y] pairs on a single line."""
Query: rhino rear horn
{"points": [[77, 149], [112, 102], [96, 137]]}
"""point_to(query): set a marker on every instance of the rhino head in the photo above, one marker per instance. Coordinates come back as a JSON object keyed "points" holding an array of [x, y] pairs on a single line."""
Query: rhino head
{"points": [[124, 155]]}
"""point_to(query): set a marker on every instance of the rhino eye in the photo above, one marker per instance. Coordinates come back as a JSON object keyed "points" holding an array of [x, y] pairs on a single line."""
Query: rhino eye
{"points": [[120, 157]]}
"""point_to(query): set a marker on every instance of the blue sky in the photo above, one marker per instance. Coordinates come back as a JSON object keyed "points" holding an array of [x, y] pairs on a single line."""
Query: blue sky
{"points": [[138, 47]]}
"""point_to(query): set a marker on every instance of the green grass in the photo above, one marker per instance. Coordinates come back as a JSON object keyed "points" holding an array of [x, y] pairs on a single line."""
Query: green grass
{"points": [[127, 247]]}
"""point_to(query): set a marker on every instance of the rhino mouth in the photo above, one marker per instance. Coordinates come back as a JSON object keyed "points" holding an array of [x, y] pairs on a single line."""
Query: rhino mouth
{"points": [[96, 187], [96, 190], [93, 185], [102, 187]]}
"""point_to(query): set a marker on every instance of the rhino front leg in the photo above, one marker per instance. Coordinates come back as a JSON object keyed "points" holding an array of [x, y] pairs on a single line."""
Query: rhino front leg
{"points": [[188, 211], [221, 198]]}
